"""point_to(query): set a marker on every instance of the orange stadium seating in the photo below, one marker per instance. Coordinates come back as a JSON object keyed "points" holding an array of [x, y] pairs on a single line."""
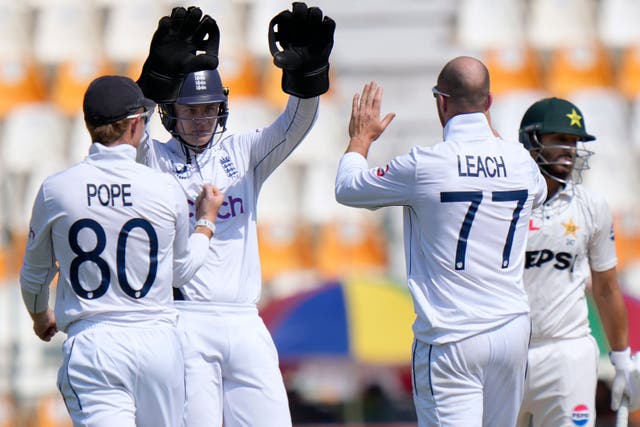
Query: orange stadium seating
{"points": [[21, 81], [350, 247], [71, 79], [284, 248], [574, 68]]}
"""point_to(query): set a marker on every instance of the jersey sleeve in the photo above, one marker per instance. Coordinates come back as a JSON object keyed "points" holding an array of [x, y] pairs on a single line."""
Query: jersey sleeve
{"points": [[359, 186], [39, 266], [270, 146], [602, 249], [189, 251]]}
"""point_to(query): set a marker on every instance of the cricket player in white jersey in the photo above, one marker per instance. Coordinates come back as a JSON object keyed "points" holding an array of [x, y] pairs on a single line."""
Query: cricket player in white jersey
{"points": [[570, 240], [117, 233], [467, 202], [232, 372]]}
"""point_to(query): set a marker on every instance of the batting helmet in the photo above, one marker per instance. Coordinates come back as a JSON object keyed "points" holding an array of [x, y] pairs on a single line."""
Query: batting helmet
{"points": [[555, 115], [199, 87], [552, 115]]}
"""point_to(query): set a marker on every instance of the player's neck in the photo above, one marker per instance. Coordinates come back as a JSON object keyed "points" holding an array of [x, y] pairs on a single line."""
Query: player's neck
{"points": [[553, 187]]}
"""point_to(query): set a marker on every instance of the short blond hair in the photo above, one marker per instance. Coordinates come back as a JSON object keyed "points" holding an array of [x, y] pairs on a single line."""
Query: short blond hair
{"points": [[109, 133]]}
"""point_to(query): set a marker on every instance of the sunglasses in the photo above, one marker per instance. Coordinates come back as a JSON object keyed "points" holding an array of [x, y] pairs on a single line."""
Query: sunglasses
{"points": [[146, 115], [436, 92]]}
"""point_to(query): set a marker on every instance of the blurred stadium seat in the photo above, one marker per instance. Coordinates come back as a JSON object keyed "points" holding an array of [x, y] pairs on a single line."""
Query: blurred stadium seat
{"points": [[66, 29], [52, 412], [79, 139], [516, 83], [7, 412], [285, 248], [129, 27], [318, 204], [279, 196], [71, 79], [351, 244], [613, 170], [240, 72], [634, 124], [507, 111], [617, 22], [513, 68], [5, 260], [271, 86], [557, 23], [627, 234], [482, 27], [21, 81], [32, 146], [574, 68], [133, 68], [15, 43], [628, 76]]}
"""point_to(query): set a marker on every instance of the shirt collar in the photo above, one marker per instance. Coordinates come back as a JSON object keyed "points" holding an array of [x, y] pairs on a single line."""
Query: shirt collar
{"points": [[470, 126], [123, 151], [566, 191]]}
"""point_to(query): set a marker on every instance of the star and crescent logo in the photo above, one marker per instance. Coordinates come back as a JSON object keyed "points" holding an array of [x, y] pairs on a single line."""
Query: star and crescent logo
{"points": [[570, 228], [575, 118]]}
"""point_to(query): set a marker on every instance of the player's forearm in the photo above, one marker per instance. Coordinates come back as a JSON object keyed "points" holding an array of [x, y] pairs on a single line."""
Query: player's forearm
{"points": [[613, 313]]}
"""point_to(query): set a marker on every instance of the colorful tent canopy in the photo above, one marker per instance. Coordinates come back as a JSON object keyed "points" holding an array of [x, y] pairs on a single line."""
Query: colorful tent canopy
{"points": [[366, 320]]}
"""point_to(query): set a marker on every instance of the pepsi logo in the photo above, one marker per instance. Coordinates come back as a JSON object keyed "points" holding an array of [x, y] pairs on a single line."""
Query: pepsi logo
{"points": [[580, 415]]}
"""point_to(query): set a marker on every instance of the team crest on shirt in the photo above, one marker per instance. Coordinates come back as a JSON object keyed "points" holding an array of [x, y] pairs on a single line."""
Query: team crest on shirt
{"points": [[570, 229], [228, 167], [181, 170], [580, 415]]}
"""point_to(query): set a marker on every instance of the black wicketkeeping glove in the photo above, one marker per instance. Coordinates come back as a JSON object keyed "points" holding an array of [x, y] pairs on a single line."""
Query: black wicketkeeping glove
{"points": [[172, 54], [306, 40]]}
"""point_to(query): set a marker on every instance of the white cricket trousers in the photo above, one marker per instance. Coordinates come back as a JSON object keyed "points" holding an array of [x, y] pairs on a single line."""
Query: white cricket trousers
{"points": [[231, 367], [478, 381], [116, 375], [560, 390]]}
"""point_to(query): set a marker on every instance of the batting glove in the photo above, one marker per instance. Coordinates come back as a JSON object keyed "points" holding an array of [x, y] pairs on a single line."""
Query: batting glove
{"points": [[306, 39], [623, 383], [183, 42]]}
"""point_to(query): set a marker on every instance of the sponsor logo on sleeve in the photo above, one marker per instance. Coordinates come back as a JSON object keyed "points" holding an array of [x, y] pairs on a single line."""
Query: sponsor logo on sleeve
{"points": [[580, 415], [382, 172]]}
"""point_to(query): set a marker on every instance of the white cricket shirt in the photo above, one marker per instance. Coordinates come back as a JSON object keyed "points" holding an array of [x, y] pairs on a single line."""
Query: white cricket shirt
{"points": [[119, 234], [569, 235], [238, 165], [467, 202]]}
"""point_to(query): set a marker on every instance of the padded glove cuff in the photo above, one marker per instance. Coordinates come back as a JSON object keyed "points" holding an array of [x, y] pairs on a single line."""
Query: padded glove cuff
{"points": [[306, 84], [621, 359]]}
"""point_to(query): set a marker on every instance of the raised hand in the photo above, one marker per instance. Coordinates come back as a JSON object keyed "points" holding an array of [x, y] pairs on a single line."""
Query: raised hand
{"points": [[306, 40], [184, 42]]}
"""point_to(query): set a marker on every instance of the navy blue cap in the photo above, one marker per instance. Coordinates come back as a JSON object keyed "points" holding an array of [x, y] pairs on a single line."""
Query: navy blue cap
{"points": [[112, 98]]}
